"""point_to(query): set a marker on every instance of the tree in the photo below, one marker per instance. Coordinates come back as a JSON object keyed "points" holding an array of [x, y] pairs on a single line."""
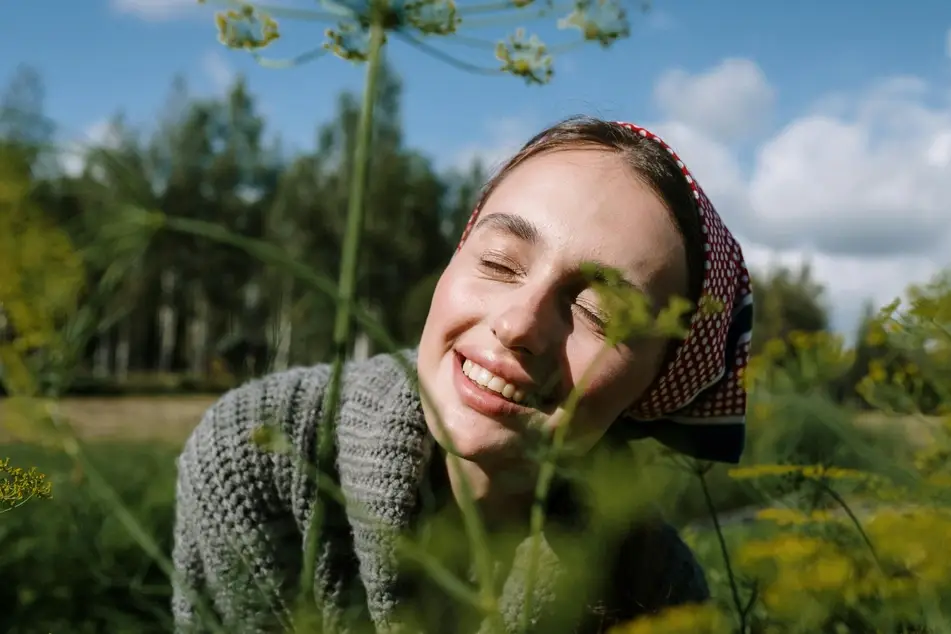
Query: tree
{"points": [[22, 120], [787, 301]]}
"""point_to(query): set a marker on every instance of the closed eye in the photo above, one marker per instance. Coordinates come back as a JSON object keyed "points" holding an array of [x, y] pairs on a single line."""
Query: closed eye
{"points": [[500, 265], [495, 266], [593, 317]]}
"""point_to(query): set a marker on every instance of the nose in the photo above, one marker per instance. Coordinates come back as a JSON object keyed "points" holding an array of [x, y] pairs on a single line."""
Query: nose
{"points": [[526, 320]]}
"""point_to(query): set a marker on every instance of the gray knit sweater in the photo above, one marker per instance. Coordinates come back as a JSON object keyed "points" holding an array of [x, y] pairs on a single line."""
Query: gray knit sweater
{"points": [[242, 513]]}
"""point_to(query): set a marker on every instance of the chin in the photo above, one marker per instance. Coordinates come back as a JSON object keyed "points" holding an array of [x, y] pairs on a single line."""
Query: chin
{"points": [[472, 435], [477, 438]]}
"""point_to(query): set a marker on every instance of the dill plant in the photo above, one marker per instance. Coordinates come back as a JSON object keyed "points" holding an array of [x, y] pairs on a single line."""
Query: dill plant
{"points": [[852, 539], [17, 487]]}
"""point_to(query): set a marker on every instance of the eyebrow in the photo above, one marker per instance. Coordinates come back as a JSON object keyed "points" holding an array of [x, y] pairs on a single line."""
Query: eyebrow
{"points": [[512, 224]]}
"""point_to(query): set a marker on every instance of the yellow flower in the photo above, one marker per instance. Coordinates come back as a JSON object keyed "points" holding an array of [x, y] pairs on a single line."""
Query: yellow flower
{"points": [[762, 470], [794, 517], [774, 349], [876, 371], [18, 486], [787, 547], [688, 619], [802, 340], [875, 336]]}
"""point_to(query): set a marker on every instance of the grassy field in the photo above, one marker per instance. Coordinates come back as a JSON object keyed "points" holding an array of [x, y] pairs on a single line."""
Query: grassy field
{"points": [[920, 430], [149, 418], [79, 570], [171, 418]]}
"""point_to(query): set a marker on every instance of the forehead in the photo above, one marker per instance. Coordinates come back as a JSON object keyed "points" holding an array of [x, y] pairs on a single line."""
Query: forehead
{"points": [[588, 203]]}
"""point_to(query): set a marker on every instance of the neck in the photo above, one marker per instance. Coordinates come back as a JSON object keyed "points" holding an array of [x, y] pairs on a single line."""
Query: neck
{"points": [[503, 495]]}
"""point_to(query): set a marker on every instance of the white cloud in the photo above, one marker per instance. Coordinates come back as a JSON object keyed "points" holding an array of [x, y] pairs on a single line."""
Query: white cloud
{"points": [[729, 101], [503, 137], [857, 186], [156, 10], [100, 134], [850, 281], [217, 70]]}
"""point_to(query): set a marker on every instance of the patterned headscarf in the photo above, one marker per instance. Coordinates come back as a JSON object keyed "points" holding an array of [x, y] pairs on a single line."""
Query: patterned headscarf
{"points": [[697, 405]]}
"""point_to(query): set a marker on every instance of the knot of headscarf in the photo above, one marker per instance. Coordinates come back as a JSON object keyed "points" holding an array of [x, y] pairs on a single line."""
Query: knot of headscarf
{"points": [[697, 404]]}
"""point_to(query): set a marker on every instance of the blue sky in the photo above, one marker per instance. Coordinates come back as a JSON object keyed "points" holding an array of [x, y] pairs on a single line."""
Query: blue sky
{"points": [[764, 100], [99, 56]]}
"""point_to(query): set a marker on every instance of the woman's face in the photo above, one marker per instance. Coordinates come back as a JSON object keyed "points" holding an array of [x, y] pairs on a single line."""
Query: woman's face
{"points": [[514, 324]]}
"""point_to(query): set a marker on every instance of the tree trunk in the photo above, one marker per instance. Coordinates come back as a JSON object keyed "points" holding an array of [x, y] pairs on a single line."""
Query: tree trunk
{"points": [[284, 327], [102, 356], [123, 348], [198, 332], [167, 317]]}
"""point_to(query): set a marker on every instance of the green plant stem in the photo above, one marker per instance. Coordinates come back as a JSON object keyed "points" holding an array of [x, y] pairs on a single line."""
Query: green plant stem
{"points": [[546, 474], [73, 448], [441, 575], [345, 291], [475, 531], [853, 518], [741, 610]]}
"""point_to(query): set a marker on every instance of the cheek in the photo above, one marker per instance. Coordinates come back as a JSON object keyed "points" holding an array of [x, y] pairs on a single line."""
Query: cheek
{"points": [[618, 381], [454, 308]]}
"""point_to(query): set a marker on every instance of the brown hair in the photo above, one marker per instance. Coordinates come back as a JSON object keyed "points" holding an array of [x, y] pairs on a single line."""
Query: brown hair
{"points": [[651, 163]]}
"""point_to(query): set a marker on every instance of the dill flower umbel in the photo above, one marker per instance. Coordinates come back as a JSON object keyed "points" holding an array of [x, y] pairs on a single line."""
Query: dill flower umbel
{"points": [[17, 486]]}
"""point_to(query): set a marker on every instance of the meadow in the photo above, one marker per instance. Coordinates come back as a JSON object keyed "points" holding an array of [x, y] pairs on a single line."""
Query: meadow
{"points": [[78, 569], [836, 521]]}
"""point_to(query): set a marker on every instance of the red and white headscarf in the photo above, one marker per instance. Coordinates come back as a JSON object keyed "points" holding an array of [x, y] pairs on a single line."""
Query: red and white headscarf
{"points": [[697, 405]]}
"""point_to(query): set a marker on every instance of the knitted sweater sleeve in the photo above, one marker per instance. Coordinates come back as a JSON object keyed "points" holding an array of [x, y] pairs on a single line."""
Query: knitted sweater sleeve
{"points": [[235, 535]]}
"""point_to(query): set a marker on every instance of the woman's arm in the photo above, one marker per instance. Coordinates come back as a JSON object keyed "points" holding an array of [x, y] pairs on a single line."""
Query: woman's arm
{"points": [[236, 543]]}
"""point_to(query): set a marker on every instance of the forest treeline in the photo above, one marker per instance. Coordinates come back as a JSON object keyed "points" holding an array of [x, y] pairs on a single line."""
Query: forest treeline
{"points": [[186, 313]]}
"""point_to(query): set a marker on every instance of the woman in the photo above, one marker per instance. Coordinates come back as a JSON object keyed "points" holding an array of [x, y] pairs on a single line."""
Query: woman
{"points": [[512, 327]]}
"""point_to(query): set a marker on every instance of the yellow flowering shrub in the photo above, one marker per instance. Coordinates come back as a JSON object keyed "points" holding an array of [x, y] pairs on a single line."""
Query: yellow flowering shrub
{"points": [[855, 541], [41, 276]]}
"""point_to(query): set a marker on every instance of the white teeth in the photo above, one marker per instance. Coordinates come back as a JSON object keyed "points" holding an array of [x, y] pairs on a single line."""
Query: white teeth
{"points": [[496, 384], [488, 380]]}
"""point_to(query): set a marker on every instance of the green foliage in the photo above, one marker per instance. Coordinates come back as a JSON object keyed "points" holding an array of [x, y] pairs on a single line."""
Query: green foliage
{"points": [[849, 535], [787, 301], [77, 570], [846, 520]]}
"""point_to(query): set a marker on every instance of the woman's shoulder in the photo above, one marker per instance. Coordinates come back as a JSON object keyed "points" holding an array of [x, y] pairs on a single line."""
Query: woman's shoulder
{"points": [[283, 409], [278, 397]]}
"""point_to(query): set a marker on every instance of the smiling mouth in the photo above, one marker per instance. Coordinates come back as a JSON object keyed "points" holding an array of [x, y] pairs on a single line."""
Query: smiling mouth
{"points": [[491, 383]]}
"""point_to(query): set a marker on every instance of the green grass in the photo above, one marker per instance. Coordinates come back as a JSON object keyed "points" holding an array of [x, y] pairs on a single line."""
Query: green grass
{"points": [[68, 565]]}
